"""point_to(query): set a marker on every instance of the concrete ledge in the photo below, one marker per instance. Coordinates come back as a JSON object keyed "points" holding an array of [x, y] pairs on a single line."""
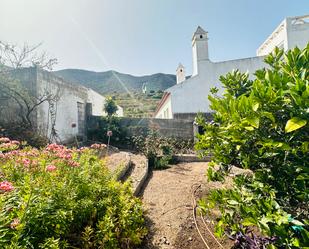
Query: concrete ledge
{"points": [[118, 164], [123, 171], [189, 158], [125, 168], [139, 184]]}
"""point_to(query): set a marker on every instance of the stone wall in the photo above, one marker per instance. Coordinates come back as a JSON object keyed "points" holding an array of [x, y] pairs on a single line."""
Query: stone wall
{"points": [[191, 116], [140, 126]]}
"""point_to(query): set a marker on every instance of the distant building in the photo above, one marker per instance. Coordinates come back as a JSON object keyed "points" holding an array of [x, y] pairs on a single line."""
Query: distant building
{"points": [[144, 88], [189, 96], [64, 116]]}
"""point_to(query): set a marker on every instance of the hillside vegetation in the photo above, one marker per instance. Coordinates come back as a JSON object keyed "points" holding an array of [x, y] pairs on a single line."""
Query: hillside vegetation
{"points": [[138, 104]]}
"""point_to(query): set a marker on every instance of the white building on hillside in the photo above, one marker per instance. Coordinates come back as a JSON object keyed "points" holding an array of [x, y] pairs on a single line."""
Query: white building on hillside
{"points": [[189, 96]]}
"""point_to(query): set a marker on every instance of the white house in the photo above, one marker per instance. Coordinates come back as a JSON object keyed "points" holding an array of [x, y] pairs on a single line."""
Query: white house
{"points": [[70, 109], [189, 96], [62, 116]]}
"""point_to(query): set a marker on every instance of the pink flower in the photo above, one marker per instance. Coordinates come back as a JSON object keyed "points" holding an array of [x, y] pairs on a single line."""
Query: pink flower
{"points": [[35, 162], [73, 163], [6, 186], [54, 147], [4, 140], [26, 162], [51, 168], [98, 146]]}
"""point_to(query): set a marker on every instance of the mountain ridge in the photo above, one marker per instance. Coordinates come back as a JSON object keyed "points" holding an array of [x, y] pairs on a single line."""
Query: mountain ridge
{"points": [[112, 81]]}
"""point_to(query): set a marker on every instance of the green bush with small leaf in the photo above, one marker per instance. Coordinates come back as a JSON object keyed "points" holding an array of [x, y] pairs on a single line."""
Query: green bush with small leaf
{"points": [[262, 125], [160, 149]]}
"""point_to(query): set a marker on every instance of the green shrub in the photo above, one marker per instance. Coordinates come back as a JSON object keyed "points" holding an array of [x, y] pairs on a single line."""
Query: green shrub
{"points": [[64, 198], [262, 125], [110, 106], [119, 136], [158, 149], [17, 131]]}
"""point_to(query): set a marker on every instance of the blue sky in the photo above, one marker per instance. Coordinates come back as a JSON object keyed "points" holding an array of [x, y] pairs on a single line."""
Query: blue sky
{"points": [[142, 36]]}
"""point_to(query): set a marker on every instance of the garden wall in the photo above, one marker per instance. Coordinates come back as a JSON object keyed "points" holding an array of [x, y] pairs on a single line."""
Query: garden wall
{"points": [[140, 126]]}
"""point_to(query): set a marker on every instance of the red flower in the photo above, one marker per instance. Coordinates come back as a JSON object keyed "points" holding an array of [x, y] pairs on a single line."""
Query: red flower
{"points": [[6, 186]]}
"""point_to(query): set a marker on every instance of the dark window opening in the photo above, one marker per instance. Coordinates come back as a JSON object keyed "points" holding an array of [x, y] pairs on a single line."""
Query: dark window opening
{"points": [[201, 36], [201, 130]]}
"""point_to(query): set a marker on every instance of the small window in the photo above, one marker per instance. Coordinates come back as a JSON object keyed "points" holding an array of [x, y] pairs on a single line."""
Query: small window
{"points": [[201, 36], [181, 70]]}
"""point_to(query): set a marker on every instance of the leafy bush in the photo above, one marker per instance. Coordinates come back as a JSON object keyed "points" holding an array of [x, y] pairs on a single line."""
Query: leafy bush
{"points": [[159, 150], [17, 131], [110, 106], [64, 198], [262, 125], [119, 136]]}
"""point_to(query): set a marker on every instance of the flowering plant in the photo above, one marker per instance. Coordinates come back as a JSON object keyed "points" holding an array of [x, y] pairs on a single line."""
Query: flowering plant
{"points": [[65, 198]]}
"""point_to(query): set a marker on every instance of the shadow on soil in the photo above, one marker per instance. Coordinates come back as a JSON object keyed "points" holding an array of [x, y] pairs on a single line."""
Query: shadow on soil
{"points": [[148, 240]]}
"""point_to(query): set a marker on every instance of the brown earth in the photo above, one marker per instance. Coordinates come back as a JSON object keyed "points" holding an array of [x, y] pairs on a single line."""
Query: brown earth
{"points": [[168, 198]]}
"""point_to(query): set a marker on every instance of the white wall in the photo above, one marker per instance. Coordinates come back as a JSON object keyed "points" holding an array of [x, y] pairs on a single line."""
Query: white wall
{"points": [[165, 111], [119, 111], [67, 111], [297, 33], [278, 38], [66, 106], [97, 101], [292, 32], [180, 74], [199, 51], [191, 96]]}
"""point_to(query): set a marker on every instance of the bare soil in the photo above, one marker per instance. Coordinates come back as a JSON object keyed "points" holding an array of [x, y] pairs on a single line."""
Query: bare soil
{"points": [[167, 197]]}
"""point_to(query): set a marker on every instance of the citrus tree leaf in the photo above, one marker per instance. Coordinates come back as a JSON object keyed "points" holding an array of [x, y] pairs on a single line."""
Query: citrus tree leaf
{"points": [[294, 124]]}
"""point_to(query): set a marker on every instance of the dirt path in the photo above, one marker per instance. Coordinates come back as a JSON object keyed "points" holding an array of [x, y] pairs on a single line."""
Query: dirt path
{"points": [[167, 197]]}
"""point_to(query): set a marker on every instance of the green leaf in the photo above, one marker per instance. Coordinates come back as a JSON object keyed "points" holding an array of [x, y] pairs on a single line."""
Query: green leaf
{"points": [[249, 222], [294, 124], [253, 121], [232, 202], [271, 246], [255, 107], [249, 128]]}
